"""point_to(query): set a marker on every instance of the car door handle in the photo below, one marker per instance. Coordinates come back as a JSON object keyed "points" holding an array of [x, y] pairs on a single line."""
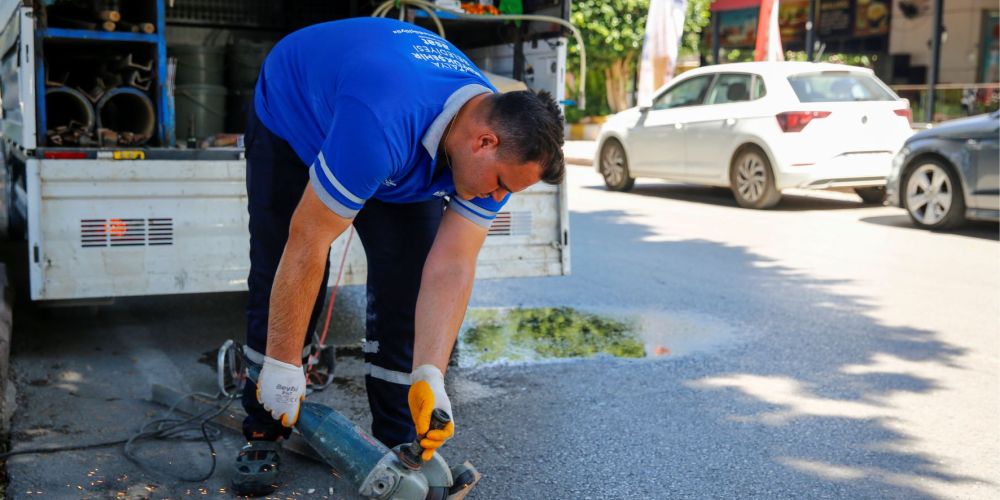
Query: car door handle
{"points": [[678, 126], [730, 122]]}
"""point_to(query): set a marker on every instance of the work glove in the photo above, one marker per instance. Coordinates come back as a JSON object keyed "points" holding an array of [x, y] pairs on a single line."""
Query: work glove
{"points": [[426, 394], [281, 387]]}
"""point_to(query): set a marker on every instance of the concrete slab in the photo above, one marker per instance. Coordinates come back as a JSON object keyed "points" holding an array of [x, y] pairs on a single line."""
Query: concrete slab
{"points": [[86, 376]]}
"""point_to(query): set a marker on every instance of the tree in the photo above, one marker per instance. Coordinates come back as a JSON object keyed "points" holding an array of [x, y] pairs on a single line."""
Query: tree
{"points": [[613, 32], [698, 17], [612, 35]]}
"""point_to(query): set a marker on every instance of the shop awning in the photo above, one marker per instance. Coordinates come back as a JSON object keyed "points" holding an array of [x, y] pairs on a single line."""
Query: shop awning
{"points": [[724, 5]]}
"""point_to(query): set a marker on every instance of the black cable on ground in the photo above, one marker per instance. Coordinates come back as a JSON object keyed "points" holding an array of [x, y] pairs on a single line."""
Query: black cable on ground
{"points": [[31, 451], [165, 428], [194, 428]]}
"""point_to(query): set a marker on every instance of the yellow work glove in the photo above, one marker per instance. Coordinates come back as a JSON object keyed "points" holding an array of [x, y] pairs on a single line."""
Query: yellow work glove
{"points": [[426, 394], [281, 387]]}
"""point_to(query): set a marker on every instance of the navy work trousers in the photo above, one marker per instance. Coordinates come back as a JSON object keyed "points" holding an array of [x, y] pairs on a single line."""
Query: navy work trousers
{"points": [[396, 239]]}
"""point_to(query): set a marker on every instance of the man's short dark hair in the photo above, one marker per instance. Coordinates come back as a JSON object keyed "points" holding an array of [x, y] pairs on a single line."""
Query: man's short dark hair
{"points": [[530, 128]]}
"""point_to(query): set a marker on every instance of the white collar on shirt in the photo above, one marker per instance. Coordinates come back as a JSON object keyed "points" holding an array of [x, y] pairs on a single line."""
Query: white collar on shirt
{"points": [[432, 138]]}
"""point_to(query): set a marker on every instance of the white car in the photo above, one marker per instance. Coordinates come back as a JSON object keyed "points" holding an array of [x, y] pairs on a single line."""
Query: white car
{"points": [[759, 128]]}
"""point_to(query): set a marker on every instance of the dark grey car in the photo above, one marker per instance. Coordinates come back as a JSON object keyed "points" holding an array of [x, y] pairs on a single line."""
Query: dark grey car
{"points": [[949, 173]]}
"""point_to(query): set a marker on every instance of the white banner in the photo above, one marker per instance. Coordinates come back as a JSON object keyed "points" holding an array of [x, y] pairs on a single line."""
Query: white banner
{"points": [[664, 28], [774, 52]]}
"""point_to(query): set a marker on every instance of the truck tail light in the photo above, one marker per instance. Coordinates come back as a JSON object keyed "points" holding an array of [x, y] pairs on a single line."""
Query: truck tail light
{"points": [[795, 121], [64, 155]]}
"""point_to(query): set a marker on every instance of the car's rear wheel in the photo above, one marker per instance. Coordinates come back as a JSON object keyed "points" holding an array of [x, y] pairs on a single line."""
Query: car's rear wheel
{"points": [[752, 180], [933, 195], [614, 167], [871, 195]]}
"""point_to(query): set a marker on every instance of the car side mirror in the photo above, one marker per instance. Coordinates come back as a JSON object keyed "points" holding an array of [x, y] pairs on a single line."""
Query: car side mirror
{"points": [[645, 104]]}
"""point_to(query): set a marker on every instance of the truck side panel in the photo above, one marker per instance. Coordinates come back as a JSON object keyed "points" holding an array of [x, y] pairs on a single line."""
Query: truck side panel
{"points": [[107, 228]]}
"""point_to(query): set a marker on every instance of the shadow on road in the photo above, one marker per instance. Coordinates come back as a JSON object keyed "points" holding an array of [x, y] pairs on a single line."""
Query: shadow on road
{"points": [[802, 405], [724, 197], [974, 229], [84, 375]]}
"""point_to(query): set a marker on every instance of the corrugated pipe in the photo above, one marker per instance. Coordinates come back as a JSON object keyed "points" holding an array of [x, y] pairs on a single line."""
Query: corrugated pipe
{"points": [[128, 113], [66, 106]]}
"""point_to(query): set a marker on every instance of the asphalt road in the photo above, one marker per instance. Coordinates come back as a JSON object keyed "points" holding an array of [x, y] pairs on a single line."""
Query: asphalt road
{"points": [[822, 349]]}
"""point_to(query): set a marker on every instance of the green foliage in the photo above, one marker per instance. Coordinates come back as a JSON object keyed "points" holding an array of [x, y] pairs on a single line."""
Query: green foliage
{"points": [[736, 55], [611, 30], [746, 54], [614, 30], [863, 60], [597, 102], [698, 17]]}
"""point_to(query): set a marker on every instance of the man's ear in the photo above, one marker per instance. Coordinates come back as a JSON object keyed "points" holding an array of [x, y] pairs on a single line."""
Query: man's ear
{"points": [[487, 141]]}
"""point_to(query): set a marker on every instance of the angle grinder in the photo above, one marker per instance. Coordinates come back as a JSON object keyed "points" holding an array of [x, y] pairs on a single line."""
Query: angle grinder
{"points": [[377, 471]]}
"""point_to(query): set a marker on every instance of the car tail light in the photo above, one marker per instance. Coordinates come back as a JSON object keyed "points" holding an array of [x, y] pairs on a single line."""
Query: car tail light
{"points": [[795, 121], [905, 112]]}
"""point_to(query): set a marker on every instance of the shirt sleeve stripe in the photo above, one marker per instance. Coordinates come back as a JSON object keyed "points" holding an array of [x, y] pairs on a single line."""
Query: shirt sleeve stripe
{"points": [[331, 202], [472, 216], [336, 184], [482, 212]]}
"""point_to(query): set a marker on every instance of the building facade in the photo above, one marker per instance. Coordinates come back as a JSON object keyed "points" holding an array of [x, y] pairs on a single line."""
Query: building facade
{"points": [[896, 32], [969, 49]]}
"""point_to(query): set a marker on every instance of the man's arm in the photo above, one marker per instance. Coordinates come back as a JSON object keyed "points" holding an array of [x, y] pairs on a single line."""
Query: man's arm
{"points": [[297, 281], [445, 288]]}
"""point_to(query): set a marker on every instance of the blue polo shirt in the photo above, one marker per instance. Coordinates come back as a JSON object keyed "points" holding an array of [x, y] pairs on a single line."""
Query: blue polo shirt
{"points": [[365, 103]]}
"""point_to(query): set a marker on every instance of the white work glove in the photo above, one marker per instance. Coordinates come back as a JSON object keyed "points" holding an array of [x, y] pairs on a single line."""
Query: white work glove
{"points": [[426, 394], [281, 387]]}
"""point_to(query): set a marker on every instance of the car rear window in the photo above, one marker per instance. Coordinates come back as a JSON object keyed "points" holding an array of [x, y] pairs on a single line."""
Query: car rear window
{"points": [[838, 86]]}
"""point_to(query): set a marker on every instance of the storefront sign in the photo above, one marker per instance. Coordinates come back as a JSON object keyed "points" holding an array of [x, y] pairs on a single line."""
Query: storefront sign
{"points": [[871, 18], [835, 18], [792, 17], [738, 28]]}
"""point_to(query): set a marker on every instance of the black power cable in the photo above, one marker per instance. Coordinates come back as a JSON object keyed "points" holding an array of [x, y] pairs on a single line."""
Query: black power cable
{"points": [[168, 427], [194, 428]]}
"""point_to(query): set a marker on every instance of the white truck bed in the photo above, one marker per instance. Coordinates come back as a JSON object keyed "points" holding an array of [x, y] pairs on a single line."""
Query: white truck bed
{"points": [[112, 228]]}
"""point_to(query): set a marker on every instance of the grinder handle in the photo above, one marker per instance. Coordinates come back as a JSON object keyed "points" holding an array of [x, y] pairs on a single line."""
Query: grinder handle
{"points": [[411, 455], [439, 419]]}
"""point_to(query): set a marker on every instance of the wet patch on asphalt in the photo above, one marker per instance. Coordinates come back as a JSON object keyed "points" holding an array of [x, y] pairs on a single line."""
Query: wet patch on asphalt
{"points": [[525, 335]]}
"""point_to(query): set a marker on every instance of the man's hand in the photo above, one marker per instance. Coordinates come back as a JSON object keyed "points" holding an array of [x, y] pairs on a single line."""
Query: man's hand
{"points": [[426, 394], [281, 387]]}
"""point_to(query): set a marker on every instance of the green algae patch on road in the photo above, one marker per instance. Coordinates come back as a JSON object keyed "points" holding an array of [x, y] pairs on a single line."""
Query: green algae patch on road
{"points": [[533, 334]]}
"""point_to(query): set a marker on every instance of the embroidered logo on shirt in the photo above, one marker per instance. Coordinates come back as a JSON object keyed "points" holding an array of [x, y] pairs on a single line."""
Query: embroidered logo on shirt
{"points": [[440, 193], [389, 182]]}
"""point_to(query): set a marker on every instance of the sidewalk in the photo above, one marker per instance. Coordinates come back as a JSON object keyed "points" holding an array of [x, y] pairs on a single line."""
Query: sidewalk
{"points": [[579, 152]]}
